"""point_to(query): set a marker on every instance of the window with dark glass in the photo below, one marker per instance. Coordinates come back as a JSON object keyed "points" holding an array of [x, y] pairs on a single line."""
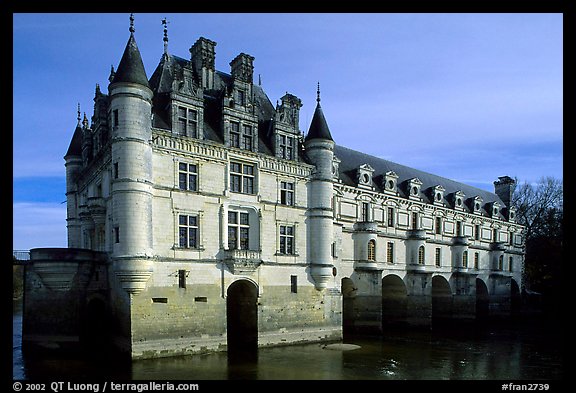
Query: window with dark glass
{"points": [[458, 228], [421, 255], [187, 122], [286, 147], [476, 232], [438, 225], [246, 142], [476, 260], [372, 250], [238, 231], [365, 212], [188, 231], [294, 284], [241, 97], [438, 257], [390, 217], [234, 134], [415, 220], [241, 178], [287, 193], [390, 252], [181, 278], [187, 176], [286, 239], [465, 259], [501, 262]]}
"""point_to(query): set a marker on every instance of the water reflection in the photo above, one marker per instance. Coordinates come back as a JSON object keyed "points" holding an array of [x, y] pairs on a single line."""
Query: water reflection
{"points": [[513, 352]]}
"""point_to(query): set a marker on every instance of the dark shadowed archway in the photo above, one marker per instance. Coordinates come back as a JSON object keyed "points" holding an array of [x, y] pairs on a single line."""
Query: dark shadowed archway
{"points": [[96, 326], [394, 299], [348, 294], [441, 300], [242, 316], [482, 300]]}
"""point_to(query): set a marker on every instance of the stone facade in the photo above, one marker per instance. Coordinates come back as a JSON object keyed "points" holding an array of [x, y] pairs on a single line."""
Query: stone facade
{"points": [[222, 225]]}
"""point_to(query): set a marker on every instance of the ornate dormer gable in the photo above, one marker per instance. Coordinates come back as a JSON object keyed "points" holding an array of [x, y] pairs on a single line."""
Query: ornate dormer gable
{"points": [[493, 208], [436, 194], [457, 200], [413, 188], [510, 213], [475, 204], [187, 104], [286, 127], [389, 183], [336, 169], [364, 176]]}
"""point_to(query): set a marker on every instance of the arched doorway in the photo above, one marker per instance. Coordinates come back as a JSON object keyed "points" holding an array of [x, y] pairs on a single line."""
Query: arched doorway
{"points": [[515, 298], [348, 294], [242, 316], [441, 301], [96, 325], [394, 298], [482, 300]]}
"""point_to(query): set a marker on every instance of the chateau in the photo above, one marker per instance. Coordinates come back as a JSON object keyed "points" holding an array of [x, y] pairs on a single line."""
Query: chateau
{"points": [[201, 218]]}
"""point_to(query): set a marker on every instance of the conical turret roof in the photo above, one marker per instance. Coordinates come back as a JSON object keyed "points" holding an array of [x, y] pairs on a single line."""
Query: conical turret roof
{"points": [[131, 68], [319, 128]]}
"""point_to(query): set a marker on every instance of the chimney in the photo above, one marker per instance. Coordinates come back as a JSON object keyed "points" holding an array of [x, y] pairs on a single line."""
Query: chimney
{"points": [[504, 187], [242, 67], [203, 59]]}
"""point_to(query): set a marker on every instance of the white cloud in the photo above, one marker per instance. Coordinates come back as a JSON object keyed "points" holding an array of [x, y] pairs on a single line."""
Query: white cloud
{"points": [[39, 225]]}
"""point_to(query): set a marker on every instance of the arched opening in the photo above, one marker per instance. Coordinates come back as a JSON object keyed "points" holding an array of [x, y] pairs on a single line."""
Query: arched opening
{"points": [[515, 298], [441, 300], [394, 297], [242, 316], [482, 300], [348, 294], [95, 333]]}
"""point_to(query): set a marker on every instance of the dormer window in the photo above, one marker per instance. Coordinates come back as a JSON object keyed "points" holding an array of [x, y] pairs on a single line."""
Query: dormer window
{"points": [[389, 182], [413, 188], [335, 168], [437, 194], [511, 214], [458, 200], [494, 209], [475, 204], [364, 176]]}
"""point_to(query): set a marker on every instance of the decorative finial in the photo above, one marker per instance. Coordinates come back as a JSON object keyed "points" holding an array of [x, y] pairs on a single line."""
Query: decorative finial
{"points": [[85, 121], [78, 114], [98, 92], [318, 94], [259, 80], [165, 39], [132, 30], [112, 73]]}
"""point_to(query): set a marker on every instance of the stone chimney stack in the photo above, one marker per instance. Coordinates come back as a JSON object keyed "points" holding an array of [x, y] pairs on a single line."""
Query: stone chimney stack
{"points": [[242, 67], [203, 59], [504, 187]]}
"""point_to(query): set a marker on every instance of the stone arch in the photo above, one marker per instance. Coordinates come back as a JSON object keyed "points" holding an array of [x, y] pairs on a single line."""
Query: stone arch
{"points": [[348, 295], [242, 316], [394, 300], [482, 299], [95, 324], [441, 300]]}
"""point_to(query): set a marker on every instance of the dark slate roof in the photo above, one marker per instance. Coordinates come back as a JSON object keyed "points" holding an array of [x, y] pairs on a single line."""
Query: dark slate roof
{"points": [[318, 127], [131, 67], [351, 160], [75, 148]]}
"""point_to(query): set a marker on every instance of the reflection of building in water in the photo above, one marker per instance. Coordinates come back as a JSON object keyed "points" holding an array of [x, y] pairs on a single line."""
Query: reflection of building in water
{"points": [[200, 218]]}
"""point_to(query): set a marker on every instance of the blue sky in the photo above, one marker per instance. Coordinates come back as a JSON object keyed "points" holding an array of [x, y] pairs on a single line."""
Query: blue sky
{"points": [[466, 96]]}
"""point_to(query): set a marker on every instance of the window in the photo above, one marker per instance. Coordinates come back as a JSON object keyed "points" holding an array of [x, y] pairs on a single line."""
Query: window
{"points": [[465, 259], [421, 255], [390, 217], [438, 257], [501, 262], [187, 122], [238, 231], [365, 212], [188, 231], [415, 220], [390, 252], [241, 97], [438, 225], [286, 239], [234, 134], [187, 176], [287, 193], [458, 228], [476, 260], [286, 147], [115, 170], [510, 262], [294, 284], [115, 117], [476, 232], [372, 250], [246, 142], [241, 178], [116, 235], [181, 278], [495, 235], [511, 238]]}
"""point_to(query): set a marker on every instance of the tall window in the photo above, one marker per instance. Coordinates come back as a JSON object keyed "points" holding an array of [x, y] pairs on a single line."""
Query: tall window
{"points": [[234, 134], [238, 231], [458, 228], [511, 238], [286, 239], [421, 255], [390, 217], [294, 284], [476, 260], [390, 252], [415, 220], [501, 262], [438, 225], [188, 231], [438, 257], [465, 259], [241, 137], [241, 97], [495, 235], [246, 142], [187, 176], [510, 262], [372, 250], [365, 212], [241, 178], [187, 122], [286, 147], [181, 278], [476, 232], [287, 193], [115, 117]]}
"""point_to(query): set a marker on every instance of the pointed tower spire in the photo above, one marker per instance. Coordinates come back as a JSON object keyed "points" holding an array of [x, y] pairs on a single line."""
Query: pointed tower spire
{"points": [[79, 119], [165, 39], [131, 67], [319, 128]]}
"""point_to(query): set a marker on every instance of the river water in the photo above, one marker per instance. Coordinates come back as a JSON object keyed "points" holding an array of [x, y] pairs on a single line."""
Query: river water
{"points": [[527, 349]]}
